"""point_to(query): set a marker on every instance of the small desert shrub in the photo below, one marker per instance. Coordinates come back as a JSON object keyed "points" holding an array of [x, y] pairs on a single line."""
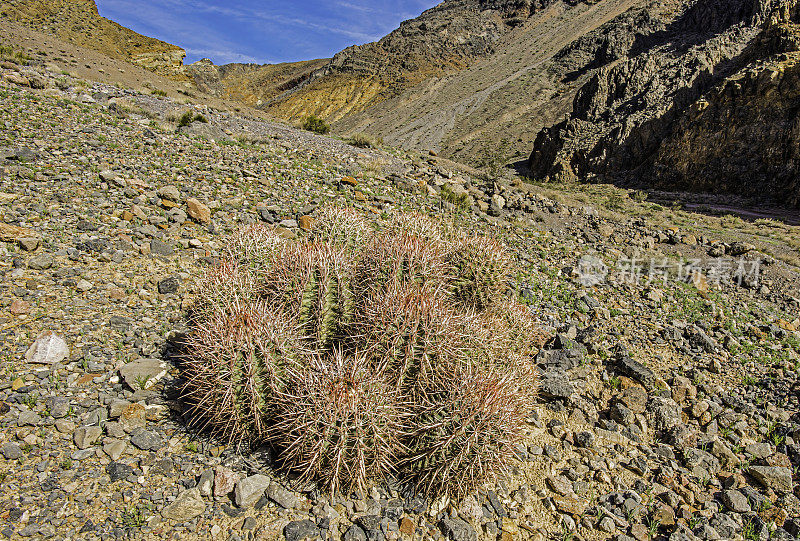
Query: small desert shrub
{"points": [[460, 200], [158, 92], [188, 117], [363, 140], [316, 124], [360, 352]]}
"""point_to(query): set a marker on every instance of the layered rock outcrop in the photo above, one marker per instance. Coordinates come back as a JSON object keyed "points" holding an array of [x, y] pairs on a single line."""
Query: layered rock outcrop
{"points": [[705, 102]]}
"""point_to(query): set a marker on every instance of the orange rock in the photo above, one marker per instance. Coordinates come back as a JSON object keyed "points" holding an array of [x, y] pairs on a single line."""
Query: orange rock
{"points": [[11, 233], [19, 307], [198, 210], [126, 215], [305, 223], [407, 526], [350, 181]]}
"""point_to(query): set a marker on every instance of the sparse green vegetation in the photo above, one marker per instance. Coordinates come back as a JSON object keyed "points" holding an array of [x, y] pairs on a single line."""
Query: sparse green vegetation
{"points": [[363, 140], [188, 117], [317, 125]]}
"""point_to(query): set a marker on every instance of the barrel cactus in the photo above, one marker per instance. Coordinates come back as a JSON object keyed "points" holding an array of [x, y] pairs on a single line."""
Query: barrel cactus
{"points": [[358, 351]]}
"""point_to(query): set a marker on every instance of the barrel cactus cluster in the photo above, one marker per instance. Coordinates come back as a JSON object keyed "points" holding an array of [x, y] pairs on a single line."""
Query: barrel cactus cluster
{"points": [[361, 351]]}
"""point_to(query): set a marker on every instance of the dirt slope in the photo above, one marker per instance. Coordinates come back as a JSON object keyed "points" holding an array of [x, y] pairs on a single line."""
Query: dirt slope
{"points": [[78, 22]]}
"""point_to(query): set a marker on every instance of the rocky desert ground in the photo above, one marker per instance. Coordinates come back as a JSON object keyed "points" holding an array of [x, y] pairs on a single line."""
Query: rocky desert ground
{"points": [[669, 400]]}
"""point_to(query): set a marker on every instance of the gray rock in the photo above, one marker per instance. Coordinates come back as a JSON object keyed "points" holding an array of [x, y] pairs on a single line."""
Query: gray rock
{"points": [[663, 413], [700, 463], [250, 489], [146, 440], [355, 533], [86, 436], [205, 131], [735, 501], [29, 418], [144, 372], [159, 247], [281, 496], [584, 439], [168, 285], [117, 471], [206, 483], [41, 262], [49, 348], [188, 505], [11, 451], [114, 448], [777, 478], [58, 406], [458, 530], [301, 529], [637, 371], [555, 384]]}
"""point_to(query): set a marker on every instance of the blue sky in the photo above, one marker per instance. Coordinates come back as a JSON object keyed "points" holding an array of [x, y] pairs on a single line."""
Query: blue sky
{"points": [[267, 31]]}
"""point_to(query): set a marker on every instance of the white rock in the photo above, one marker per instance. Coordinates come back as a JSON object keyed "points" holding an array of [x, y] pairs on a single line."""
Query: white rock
{"points": [[49, 348]]}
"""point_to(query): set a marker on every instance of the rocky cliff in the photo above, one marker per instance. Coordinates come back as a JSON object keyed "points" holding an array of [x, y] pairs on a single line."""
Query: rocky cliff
{"points": [[706, 101], [79, 22]]}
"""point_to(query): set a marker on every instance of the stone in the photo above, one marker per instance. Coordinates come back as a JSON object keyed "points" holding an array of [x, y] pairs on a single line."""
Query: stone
{"points": [[555, 385], [146, 440], [250, 489], [636, 371], [114, 448], [777, 478], [159, 247], [29, 418], [584, 439], [49, 348], [86, 436], [571, 506], [720, 450], [407, 527], [663, 413], [168, 285], [117, 471], [735, 501], [457, 529], [27, 243], [225, 481], [41, 262], [188, 505], [301, 529], [305, 223], [198, 211], [144, 373], [206, 483], [133, 417], [607, 525], [11, 451], [634, 398], [281, 496], [169, 192], [355, 533], [19, 307], [12, 233], [83, 285]]}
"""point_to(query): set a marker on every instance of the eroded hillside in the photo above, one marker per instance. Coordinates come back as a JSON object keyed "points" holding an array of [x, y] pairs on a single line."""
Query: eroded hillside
{"points": [[79, 22]]}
